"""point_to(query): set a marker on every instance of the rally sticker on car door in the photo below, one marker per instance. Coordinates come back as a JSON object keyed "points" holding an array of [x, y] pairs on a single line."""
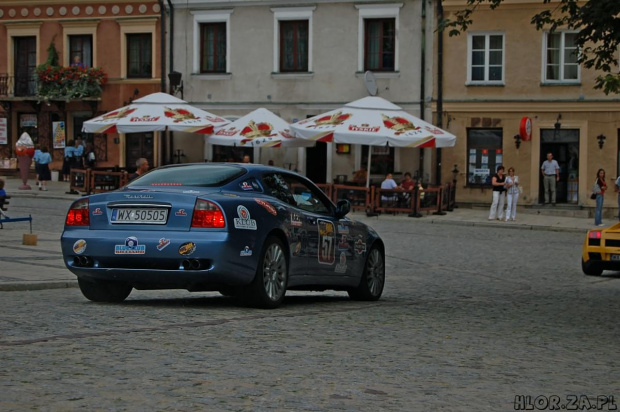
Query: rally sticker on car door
{"points": [[327, 242]]}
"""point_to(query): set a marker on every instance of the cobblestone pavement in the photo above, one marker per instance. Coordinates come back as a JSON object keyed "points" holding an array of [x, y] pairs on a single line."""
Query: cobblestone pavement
{"points": [[470, 318]]}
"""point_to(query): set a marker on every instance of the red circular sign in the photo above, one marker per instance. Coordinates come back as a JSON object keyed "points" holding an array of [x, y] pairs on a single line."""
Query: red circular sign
{"points": [[525, 129]]}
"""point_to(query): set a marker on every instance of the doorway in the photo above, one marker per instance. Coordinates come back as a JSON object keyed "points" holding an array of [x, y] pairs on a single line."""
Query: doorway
{"points": [[316, 161], [139, 145], [564, 145]]}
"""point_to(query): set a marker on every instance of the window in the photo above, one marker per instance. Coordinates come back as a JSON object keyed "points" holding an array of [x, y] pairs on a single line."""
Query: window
{"points": [[294, 46], [292, 41], [139, 56], [212, 43], [379, 44], [213, 48], [484, 151], [560, 58], [25, 63], [295, 192], [486, 58], [378, 26], [81, 46], [382, 161]]}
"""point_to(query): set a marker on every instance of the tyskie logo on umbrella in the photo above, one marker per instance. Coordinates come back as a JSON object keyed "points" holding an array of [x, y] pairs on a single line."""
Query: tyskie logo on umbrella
{"points": [[118, 114], [254, 130], [399, 124], [333, 120], [179, 115]]}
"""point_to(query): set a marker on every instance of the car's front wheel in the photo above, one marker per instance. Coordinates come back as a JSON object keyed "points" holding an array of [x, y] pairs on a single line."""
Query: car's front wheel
{"points": [[269, 285], [104, 291], [373, 278], [591, 268]]}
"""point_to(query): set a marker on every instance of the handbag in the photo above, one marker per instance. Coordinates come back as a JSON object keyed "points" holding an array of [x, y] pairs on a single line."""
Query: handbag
{"points": [[593, 196], [596, 189]]}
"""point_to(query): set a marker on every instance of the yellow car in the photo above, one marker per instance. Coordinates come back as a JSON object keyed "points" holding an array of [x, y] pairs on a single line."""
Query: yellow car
{"points": [[601, 250]]}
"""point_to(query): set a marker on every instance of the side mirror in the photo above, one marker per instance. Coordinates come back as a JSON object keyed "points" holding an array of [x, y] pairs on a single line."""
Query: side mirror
{"points": [[343, 207]]}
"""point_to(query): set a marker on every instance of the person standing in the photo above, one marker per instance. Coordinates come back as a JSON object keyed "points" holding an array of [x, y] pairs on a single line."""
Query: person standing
{"points": [[497, 207], [550, 170], [512, 194], [68, 160], [37, 156], [600, 196], [44, 167]]}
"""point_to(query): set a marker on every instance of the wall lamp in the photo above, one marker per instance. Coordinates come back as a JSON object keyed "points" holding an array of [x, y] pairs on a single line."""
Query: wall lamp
{"points": [[557, 124], [601, 140], [518, 140], [176, 82]]}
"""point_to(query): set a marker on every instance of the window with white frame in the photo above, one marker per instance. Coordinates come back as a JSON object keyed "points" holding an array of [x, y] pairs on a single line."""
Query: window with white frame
{"points": [[485, 58], [560, 58], [378, 37], [211, 41], [292, 39]]}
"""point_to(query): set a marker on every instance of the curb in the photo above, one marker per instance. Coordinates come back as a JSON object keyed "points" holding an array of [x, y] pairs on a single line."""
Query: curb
{"points": [[30, 286]]}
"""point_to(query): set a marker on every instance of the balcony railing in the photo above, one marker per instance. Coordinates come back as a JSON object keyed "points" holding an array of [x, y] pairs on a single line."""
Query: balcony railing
{"points": [[55, 83], [18, 86]]}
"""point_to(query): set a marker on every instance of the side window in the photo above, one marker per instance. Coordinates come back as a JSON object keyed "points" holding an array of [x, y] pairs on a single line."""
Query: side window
{"points": [[276, 186], [306, 198]]}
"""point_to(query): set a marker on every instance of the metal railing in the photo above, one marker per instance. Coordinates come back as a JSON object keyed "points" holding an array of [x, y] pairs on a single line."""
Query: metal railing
{"points": [[20, 85]]}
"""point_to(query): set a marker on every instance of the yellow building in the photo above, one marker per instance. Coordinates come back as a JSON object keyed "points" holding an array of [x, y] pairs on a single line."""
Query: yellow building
{"points": [[503, 71]]}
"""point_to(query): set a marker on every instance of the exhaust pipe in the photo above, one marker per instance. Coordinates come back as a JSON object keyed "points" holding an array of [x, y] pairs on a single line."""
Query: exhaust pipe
{"points": [[195, 264], [185, 265], [82, 261]]}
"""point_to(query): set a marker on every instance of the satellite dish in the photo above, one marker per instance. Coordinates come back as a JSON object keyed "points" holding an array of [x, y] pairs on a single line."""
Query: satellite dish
{"points": [[371, 83]]}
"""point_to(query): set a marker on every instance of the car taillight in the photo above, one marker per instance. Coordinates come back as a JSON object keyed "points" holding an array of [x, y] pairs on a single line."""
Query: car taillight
{"points": [[594, 234], [78, 214], [207, 214]]}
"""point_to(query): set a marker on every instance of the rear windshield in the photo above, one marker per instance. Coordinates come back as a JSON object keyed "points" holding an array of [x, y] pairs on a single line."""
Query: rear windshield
{"points": [[191, 175]]}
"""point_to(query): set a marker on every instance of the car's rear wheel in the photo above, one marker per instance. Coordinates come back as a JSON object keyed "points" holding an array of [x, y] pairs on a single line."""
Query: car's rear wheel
{"points": [[591, 268], [373, 278], [269, 285], [104, 291]]}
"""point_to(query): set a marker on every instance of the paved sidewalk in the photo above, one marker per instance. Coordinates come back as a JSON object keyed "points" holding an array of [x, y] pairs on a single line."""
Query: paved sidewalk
{"points": [[41, 266]]}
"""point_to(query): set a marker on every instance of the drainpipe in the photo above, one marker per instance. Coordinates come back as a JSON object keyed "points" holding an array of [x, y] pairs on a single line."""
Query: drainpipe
{"points": [[171, 65], [439, 84], [162, 37], [422, 82]]}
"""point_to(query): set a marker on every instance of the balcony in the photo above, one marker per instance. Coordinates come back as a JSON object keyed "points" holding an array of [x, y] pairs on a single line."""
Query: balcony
{"points": [[55, 83]]}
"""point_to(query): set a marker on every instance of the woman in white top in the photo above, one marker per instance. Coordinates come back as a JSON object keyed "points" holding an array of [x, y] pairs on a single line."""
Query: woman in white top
{"points": [[512, 194]]}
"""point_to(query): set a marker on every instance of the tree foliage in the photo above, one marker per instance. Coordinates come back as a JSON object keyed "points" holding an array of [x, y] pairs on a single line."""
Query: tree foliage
{"points": [[597, 23]]}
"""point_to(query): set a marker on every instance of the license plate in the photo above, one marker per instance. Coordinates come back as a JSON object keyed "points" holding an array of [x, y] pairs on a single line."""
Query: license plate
{"points": [[151, 216], [615, 257]]}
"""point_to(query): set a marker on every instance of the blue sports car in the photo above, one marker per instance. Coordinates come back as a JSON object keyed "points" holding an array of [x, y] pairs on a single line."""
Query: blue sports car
{"points": [[244, 230]]}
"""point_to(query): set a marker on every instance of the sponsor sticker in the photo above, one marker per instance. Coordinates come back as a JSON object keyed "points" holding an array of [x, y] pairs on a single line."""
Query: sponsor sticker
{"points": [[79, 246], [180, 212], [131, 247], [97, 212], [163, 242], [244, 221], [268, 206], [246, 186], [295, 219], [246, 251], [342, 266], [344, 243], [187, 248], [360, 246]]}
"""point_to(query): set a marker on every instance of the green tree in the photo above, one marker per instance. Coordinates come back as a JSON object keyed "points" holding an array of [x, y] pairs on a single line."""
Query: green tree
{"points": [[597, 23]]}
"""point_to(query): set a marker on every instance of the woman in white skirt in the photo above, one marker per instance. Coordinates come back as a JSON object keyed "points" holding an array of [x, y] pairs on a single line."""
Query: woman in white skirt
{"points": [[512, 194]]}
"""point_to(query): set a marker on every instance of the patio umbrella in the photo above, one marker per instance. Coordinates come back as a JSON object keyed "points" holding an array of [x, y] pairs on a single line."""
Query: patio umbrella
{"points": [[260, 128], [155, 112], [372, 121]]}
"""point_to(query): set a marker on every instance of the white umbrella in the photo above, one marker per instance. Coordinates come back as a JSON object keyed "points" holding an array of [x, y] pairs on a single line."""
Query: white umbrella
{"points": [[372, 121], [155, 112], [260, 128]]}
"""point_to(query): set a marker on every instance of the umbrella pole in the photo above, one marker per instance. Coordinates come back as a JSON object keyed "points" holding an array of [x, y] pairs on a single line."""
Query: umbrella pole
{"points": [[370, 211]]}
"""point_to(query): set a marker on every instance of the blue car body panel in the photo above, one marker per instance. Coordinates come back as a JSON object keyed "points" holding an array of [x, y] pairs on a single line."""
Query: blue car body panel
{"points": [[323, 251]]}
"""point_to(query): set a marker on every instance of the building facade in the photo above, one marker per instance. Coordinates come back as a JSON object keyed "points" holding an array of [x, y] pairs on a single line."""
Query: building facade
{"points": [[51, 54], [299, 61], [502, 73]]}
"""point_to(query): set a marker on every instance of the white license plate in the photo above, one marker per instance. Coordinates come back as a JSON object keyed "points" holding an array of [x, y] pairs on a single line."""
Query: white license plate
{"points": [[615, 257], [153, 216]]}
